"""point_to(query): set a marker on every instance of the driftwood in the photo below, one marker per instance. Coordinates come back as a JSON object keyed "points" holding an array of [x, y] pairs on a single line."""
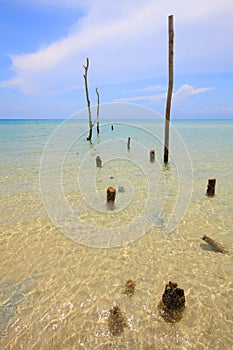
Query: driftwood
{"points": [[170, 88], [218, 247], [88, 100]]}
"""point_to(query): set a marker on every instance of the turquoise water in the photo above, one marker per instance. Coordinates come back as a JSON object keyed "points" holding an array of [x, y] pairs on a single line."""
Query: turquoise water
{"points": [[65, 257]]}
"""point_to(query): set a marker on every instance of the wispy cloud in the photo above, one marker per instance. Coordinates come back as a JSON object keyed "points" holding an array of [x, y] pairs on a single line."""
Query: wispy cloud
{"points": [[124, 40], [146, 89], [187, 90], [182, 92]]}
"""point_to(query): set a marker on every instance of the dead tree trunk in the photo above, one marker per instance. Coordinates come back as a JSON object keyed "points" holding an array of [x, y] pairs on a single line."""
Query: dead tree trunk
{"points": [[88, 101], [98, 111], [170, 88]]}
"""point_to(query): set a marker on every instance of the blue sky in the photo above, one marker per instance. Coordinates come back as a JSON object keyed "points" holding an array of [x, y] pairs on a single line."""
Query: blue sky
{"points": [[44, 44]]}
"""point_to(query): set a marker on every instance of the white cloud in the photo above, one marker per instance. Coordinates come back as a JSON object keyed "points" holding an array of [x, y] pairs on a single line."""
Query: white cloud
{"points": [[149, 88], [143, 98], [187, 90], [125, 40]]}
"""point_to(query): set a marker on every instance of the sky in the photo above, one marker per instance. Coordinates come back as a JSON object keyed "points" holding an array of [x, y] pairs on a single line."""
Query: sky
{"points": [[45, 43]]}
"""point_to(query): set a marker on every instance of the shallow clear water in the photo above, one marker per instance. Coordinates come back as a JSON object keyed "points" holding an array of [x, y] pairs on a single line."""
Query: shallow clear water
{"points": [[57, 286]]}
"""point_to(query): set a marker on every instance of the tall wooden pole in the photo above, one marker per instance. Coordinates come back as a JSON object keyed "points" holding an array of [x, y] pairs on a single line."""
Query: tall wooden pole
{"points": [[98, 111], [170, 87], [88, 101]]}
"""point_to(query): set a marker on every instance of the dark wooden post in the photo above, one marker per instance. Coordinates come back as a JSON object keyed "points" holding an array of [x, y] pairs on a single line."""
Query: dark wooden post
{"points": [[98, 162], [211, 187], [98, 111], [88, 100], [170, 88], [111, 194], [128, 143], [152, 155]]}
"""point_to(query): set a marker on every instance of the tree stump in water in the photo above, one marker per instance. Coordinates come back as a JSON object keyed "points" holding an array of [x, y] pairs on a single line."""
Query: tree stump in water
{"points": [[116, 322], [173, 302], [211, 187]]}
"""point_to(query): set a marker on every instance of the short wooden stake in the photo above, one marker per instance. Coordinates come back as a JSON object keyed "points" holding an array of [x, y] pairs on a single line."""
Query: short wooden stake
{"points": [[111, 195], [152, 155], [98, 162], [211, 187], [128, 144]]}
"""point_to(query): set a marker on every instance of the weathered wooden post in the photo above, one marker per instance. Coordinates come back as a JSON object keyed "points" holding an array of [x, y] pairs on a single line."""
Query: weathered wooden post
{"points": [[211, 187], [111, 195], [170, 88], [88, 100], [98, 162], [128, 143], [152, 155], [98, 111]]}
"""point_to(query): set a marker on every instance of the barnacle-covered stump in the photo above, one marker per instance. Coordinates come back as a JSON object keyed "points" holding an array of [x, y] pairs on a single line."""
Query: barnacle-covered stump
{"points": [[172, 303], [129, 287], [116, 322]]}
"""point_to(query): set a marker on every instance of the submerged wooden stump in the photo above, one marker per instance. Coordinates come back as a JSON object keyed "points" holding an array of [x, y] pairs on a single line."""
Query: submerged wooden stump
{"points": [[172, 303], [211, 187], [129, 287], [152, 155], [121, 189], [98, 162], [116, 322]]}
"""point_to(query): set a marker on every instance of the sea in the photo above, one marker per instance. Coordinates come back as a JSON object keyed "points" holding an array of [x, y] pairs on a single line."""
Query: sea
{"points": [[67, 254]]}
